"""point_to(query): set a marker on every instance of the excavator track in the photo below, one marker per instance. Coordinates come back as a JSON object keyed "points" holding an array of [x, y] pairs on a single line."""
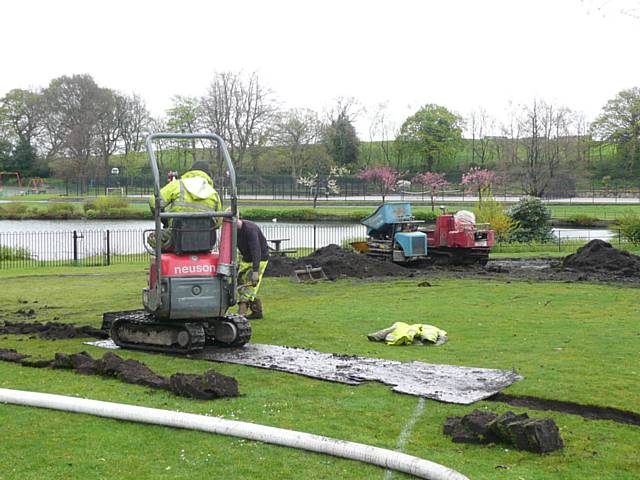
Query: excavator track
{"points": [[232, 330], [142, 331]]}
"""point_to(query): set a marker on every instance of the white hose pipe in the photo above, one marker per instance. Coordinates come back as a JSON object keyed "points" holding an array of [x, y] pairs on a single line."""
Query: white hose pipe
{"points": [[261, 433]]}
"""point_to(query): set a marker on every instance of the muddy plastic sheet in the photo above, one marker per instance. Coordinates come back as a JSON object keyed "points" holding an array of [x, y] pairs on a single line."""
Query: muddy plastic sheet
{"points": [[445, 383]]}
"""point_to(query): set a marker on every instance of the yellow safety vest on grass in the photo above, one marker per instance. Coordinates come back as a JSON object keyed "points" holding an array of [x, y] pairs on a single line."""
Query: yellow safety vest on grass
{"points": [[401, 333]]}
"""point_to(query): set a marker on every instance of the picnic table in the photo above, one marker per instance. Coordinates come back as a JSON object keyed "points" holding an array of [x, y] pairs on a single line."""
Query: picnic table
{"points": [[277, 247]]}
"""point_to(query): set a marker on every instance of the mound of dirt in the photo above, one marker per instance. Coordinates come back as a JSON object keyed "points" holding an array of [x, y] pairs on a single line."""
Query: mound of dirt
{"points": [[520, 431], [207, 386], [600, 256], [51, 330], [10, 355], [336, 262]]}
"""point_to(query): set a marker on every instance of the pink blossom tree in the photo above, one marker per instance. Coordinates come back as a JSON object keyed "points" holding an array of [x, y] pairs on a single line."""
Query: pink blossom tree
{"points": [[433, 181], [385, 178], [480, 180]]}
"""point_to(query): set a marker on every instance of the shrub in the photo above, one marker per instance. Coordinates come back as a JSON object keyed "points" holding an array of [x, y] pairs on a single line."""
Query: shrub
{"points": [[104, 204], [582, 220], [532, 219], [630, 228], [34, 212], [13, 210], [60, 210], [491, 212], [428, 217], [14, 253]]}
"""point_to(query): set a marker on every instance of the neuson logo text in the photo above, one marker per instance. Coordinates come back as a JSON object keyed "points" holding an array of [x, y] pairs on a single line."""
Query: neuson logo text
{"points": [[206, 268]]}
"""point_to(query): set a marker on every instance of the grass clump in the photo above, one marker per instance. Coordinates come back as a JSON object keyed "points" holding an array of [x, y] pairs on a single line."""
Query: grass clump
{"points": [[581, 220], [13, 210], [114, 208], [61, 210], [630, 228], [103, 204], [14, 253]]}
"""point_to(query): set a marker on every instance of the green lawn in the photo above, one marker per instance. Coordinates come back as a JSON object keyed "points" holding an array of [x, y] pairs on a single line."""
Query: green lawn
{"points": [[575, 342]]}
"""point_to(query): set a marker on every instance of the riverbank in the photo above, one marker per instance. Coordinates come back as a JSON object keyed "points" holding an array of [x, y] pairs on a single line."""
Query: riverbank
{"points": [[569, 216]]}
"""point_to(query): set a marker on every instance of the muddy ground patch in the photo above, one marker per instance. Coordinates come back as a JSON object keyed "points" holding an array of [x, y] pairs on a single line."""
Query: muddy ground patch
{"points": [[597, 261], [337, 263], [50, 330]]}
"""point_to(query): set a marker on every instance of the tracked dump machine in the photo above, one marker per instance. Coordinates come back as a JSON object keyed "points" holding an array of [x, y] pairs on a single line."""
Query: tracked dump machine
{"points": [[191, 283], [395, 234]]}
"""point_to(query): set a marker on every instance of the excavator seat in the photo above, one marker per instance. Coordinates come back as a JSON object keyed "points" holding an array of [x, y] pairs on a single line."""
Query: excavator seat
{"points": [[192, 235]]}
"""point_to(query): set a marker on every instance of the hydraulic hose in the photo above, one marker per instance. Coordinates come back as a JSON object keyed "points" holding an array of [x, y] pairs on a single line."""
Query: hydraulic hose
{"points": [[261, 433]]}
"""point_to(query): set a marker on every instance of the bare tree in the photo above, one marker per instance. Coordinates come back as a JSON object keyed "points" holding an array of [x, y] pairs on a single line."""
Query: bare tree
{"points": [[184, 117], [241, 110], [71, 120], [136, 123], [217, 106], [254, 109], [159, 125], [261, 137], [298, 130], [111, 111], [544, 144], [480, 126], [382, 131], [583, 141], [344, 107]]}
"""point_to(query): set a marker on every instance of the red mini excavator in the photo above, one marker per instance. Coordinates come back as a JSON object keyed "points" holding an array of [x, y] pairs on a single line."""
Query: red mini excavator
{"points": [[192, 280]]}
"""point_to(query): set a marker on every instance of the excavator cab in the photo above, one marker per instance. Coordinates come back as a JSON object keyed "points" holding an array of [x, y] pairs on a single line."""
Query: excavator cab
{"points": [[192, 279]]}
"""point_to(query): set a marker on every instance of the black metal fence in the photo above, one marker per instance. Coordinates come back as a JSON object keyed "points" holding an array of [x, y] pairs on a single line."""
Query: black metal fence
{"points": [[57, 248], [282, 187], [108, 247]]}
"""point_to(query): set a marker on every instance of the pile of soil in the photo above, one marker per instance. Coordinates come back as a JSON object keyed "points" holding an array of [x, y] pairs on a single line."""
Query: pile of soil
{"points": [[597, 261], [207, 386], [51, 330], [599, 256], [336, 263], [520, 431]]}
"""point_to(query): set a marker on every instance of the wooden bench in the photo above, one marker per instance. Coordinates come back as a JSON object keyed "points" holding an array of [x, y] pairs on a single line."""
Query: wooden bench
{"points": [[277, 247]]}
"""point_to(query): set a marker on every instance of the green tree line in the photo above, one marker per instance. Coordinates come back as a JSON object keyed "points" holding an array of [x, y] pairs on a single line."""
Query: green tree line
{"points": [[73, 128]]}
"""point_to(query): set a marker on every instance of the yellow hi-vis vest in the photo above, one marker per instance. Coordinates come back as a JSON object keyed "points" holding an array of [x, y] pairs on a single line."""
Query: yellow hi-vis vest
{"points": [[193, 192]]}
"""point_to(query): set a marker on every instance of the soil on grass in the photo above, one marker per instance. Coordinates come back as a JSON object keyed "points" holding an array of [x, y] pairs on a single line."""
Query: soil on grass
{"points": [[591, 412], [50, 330], [336, 263], [597, 261], [519, 431], [207, 386], [598, 256]]}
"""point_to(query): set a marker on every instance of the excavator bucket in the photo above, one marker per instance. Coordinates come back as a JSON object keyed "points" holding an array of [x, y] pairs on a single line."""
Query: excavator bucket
{"points": [[309, 274]]}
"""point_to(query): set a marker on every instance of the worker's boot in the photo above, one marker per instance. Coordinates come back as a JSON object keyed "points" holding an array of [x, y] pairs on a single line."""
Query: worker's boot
{"points": [[256, 309], [242, 308]]}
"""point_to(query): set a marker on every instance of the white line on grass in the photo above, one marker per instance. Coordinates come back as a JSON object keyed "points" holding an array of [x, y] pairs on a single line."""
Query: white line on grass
{"points": [[406, 432]]}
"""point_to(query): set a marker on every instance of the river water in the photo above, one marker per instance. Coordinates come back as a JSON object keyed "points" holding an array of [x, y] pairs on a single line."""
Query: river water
{"points": [[56, 240], [52, 240]]}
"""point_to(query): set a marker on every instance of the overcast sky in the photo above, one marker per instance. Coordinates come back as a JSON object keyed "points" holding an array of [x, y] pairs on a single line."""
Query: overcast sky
{"points": [[462, 54]]}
